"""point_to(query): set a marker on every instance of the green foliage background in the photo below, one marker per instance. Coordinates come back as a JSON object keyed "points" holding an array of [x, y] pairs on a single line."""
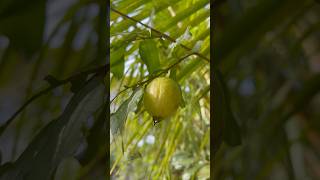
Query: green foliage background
{"points": [[266, 66], [178, 45]]}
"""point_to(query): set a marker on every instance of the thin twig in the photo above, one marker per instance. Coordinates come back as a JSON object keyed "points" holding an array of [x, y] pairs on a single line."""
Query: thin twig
{"points": [[160, 33], [100, 69]]}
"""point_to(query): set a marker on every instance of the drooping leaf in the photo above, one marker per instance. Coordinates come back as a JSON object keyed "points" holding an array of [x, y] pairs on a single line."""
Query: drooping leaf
{"points": [[150, 54], [225, 127], [119, 118], [117, 61], [60, 138], [219, 113]]}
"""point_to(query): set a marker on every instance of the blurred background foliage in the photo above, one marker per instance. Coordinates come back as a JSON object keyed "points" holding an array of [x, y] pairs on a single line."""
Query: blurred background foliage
{"points": [[147, 38], [55, 47], [266, 66]]}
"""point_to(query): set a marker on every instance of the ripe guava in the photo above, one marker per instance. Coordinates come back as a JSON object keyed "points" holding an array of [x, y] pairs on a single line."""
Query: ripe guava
{"points": [[162, 97]]}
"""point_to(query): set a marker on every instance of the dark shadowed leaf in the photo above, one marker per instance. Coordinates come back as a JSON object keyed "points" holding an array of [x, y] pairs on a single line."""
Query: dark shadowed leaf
{"points": [[224, 123], [60, 138], [219, 113]]}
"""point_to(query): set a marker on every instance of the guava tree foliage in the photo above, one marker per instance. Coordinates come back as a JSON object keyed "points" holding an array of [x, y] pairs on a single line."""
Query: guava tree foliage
{"points": [[151, 39], [266, 89], [53, 96]]}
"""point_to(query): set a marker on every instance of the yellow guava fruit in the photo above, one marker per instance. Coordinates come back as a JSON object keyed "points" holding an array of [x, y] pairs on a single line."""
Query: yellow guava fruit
{"points": [[162, 97]]}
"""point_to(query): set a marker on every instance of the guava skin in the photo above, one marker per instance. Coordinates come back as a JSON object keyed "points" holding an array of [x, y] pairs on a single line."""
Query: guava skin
{"points": [[162, 97]]}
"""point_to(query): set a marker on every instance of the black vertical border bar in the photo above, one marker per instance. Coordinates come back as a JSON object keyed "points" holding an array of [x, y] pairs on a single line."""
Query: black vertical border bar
{"points": [[107, 23], [211, 88]]}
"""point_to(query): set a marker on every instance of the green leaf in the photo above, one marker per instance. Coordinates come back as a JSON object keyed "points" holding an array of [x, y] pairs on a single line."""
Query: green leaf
{"points": [[119, 69], [219, 113], [150, 54], [60, 138], [117, 61], [119, 118]]}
